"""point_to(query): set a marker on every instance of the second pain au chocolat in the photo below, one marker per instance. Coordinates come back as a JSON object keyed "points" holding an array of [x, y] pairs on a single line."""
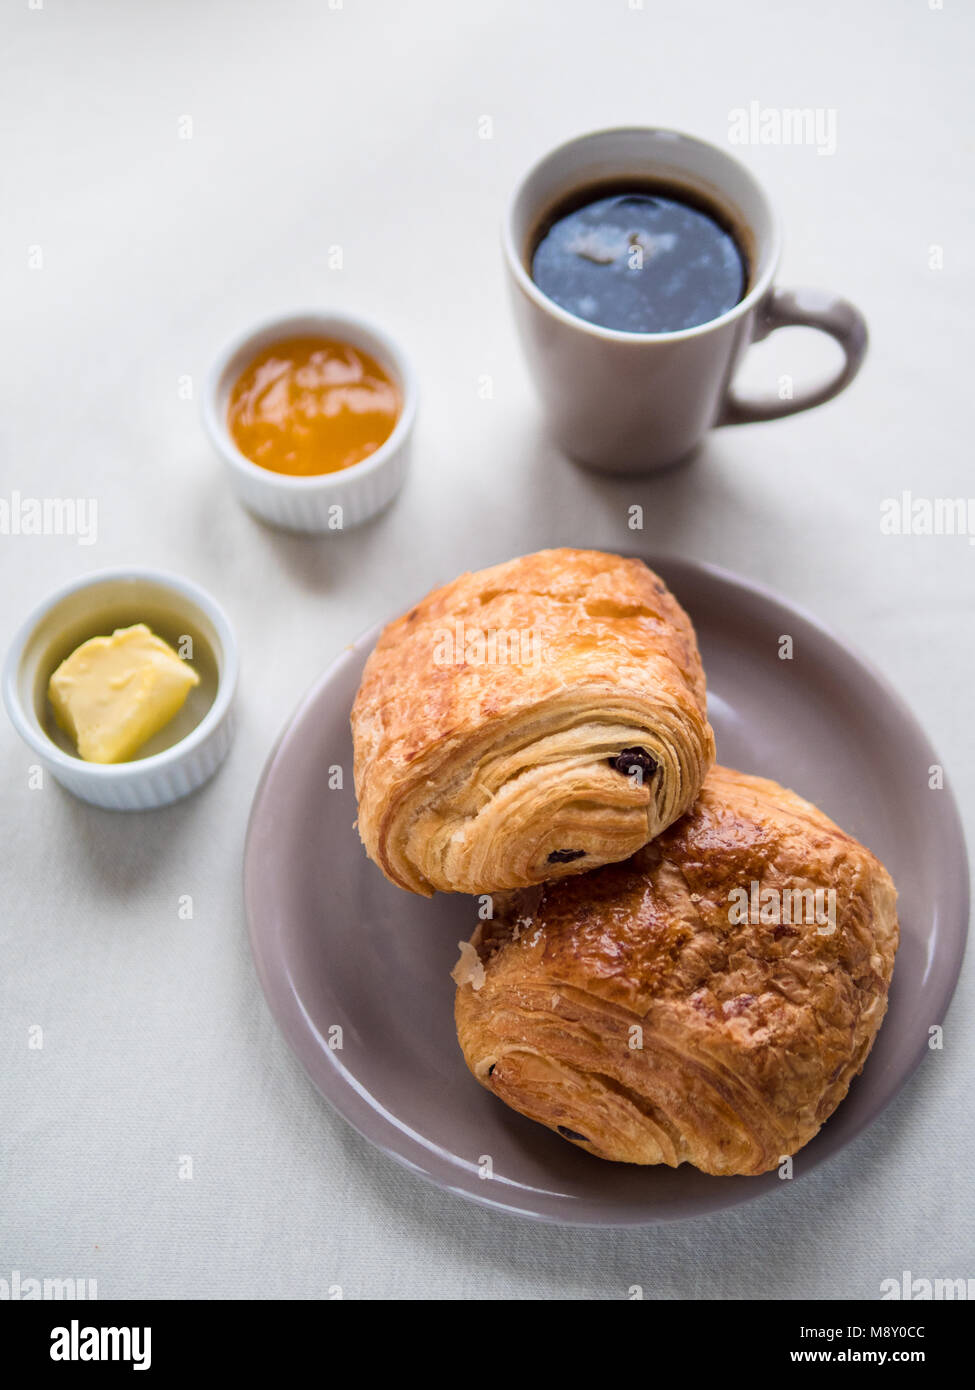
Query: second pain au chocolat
{"points": [[709, 1001]]}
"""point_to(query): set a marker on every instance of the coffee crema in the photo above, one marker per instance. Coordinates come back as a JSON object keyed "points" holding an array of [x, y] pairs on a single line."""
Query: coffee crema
{"points": [[639, 258]]}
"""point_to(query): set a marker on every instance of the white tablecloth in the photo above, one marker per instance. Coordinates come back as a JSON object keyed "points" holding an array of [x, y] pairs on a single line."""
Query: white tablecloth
{"points": [[130, 253]]}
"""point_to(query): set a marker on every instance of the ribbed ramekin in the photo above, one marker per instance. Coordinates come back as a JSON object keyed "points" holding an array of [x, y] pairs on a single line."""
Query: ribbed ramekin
{"points": [[327, 501], [144, 783]]}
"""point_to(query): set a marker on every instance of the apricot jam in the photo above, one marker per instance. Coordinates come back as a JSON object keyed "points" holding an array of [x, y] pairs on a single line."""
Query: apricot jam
{"points": [[312, 405]]}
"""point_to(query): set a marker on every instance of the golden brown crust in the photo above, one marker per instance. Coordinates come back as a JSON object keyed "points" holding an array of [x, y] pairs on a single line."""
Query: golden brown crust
{"points": [[474, 763], [749, 1031]]}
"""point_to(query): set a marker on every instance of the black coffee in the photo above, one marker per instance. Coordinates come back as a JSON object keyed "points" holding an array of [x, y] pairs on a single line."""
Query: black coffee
{"points": [[639, 259]]}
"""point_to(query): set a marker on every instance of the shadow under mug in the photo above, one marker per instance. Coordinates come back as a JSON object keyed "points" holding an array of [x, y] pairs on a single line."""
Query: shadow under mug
{"points": [[635, 402]]}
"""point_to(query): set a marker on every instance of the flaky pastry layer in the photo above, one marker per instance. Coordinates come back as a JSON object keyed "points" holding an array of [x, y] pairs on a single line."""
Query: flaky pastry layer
{"points": [[527, 722]]}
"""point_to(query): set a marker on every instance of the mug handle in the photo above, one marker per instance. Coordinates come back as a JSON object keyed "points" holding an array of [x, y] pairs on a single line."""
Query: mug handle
{"points": [[806, 309]]}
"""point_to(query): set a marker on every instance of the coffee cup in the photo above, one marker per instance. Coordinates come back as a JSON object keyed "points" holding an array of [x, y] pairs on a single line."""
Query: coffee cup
{"points": [[634, 402]]}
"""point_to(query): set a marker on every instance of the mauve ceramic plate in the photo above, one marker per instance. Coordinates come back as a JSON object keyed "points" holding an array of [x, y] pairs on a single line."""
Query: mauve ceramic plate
{"points": [[338, 946]]}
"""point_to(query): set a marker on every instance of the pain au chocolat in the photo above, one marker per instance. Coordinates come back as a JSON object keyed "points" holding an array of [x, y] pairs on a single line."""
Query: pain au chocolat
{"points": [[528, 722], [707, 1002]]}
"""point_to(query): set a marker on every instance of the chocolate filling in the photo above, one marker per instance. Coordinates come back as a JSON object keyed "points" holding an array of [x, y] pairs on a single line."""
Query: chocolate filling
{"points": [[565, 856], [630, 758], [572, 1134]]}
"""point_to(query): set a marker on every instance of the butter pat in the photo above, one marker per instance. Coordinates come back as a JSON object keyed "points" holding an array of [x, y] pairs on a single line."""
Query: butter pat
{"points": [[113, 693]]}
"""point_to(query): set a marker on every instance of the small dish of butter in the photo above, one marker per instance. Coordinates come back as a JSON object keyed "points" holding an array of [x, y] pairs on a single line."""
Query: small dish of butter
{"points": [[122, 684], [112, 694]]}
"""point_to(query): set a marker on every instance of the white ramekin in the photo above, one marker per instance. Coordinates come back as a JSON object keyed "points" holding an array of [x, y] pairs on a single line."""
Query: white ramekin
{"points": [[328, 501], [108, 599]]}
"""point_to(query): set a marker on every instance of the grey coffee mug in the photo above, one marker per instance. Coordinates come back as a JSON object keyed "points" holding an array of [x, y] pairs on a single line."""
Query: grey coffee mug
{"points": [[635, 402]]}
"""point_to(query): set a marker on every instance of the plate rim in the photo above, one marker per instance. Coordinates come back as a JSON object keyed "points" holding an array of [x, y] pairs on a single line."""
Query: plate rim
{"points": [[346, 1101]]}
